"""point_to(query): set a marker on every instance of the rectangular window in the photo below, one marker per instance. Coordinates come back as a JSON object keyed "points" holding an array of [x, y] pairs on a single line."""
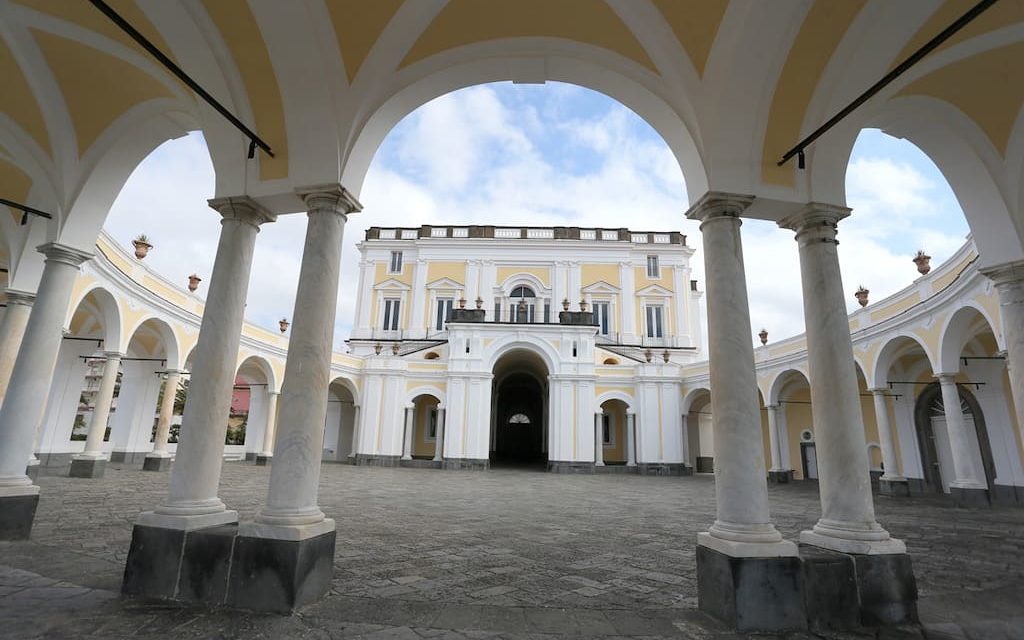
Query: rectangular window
{"points": [[527, 314], [655, 322], [497, 312], [606, 429], [547, 312], [392, 307], [396, 262], [432, 425], [652, 267], [601, 317], [444, 312]]}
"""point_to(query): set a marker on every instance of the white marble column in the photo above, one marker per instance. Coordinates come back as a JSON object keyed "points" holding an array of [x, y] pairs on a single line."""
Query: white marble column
{"points": [[966, 475], [101, 410], [291, 511], [630, 438], [598, 439], [773, 437], [410, 415], [163, 421], [847, 522], [885, 435], [419, 300], [743, 526], [439, 440], [627, 302], [12, 330], [192, 500], [268, 433], [356, 431], [32, 374], [1009, 283]]}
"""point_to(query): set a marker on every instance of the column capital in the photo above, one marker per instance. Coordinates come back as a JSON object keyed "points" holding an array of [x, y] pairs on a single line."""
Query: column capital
{"points": [[719, 204], [17, 296], [112, 355], [330, 196], [57, 252], [1007, 273], [242, 208], [630, 411], [598, 412], [946, 378], [410, 406], [172, 372], [773, 406], [879, 391], [816, 216]]}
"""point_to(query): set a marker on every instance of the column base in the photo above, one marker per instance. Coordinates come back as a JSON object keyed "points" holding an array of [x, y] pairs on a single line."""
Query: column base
{"points": [[567, 466], [32, 469], [422, 464], [464, 464], [128, 457], [846, 591], [280, 576], [705, 464], [157, 463], [780, 476], [185, 566], [263, 460], [894, 487], [250, 456], [751, 594], [367, 460], [970, 497], [852, 545], [17, 513], [664, 469], [87, 467]]}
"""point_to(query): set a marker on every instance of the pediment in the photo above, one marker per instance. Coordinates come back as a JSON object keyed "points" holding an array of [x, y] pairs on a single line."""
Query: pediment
{"points": [[600, 287], [392, 285], [445, 283], [654, 290]]}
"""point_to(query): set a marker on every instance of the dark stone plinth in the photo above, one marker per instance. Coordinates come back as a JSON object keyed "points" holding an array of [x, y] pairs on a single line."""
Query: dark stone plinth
{"points": [[615, 468], [86, 468], [17, 513], [154, 463], [54, 459], [280, 575], [128, 457], [751, 594], [365, 460], [262, 460], [894, 488], [705, 464], [579, 318], [154, 559], [465, 464], [32, 471], [565, 466], [467, 315], [780, 477], [663, 469], [416, 463], [250, 456], [875, 474], [1007, 494], [887, 589], [206, 565], [830, 589], [971, 498]]}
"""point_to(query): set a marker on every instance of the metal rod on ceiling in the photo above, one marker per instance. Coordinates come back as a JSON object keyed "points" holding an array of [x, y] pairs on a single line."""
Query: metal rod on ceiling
{"points": [[124, 25], [25, 210], [900, 69]]}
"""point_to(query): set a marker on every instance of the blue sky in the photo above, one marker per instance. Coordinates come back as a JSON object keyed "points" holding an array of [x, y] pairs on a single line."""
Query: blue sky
{"points": [[549, 154]]}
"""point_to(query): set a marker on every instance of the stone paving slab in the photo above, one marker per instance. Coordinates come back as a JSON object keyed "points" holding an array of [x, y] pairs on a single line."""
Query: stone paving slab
{"points": [[501, 554]]}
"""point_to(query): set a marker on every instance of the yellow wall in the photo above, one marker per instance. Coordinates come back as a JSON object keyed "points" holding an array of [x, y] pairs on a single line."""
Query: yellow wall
{"points": [[452, 270], [541, 273], [420, 445], [593, 273], [381, 274], [798, 418], [616, 452], [891, 309]]}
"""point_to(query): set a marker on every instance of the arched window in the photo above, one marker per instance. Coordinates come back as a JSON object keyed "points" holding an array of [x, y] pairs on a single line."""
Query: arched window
{"points": [[523, 292], [431, 355], [523, 302], [519, 418]]}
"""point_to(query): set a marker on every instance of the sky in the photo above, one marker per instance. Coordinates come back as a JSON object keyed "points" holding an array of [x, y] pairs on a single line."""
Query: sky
{"points": [[553, 154]]}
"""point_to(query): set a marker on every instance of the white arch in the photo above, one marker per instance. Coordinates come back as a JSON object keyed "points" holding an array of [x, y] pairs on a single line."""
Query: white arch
{"points": [[263, 365], [172, 350], [349, 385], [425, 390], [493, 61], [888, 354], [526, 342], [691, 396], [622, 396], [110, 312], [956, 334], [781, 379], [523, 279]]}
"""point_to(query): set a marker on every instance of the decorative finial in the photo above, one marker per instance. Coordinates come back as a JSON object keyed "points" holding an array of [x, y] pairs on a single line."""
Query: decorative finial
{"points": [[923, 262], [862, 295], [394, 348], [665, 355], [283, 324], [193, 282], [565, 304], [377, 348], [648, 355], [763, 334], [142, 245]]}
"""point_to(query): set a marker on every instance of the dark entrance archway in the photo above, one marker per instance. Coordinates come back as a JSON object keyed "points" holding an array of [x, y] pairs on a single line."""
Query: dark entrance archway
{"points": [[519, 410], [927, 409]]}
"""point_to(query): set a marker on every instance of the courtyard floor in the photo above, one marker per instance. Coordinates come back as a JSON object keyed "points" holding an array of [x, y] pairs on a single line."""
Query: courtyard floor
{"points": [[500, 554]]}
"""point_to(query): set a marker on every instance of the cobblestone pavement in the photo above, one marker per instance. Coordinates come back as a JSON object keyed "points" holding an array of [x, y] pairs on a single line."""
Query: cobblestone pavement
{"points": [[502, 554]]}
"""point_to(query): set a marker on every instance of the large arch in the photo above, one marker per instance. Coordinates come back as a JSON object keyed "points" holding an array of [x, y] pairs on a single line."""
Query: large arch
{"points": [[958, 330], [99, 304], [892, 349], [520, 407]]}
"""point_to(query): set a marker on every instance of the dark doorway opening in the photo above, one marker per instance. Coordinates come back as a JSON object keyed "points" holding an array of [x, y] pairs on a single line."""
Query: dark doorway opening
{"points": [[927, 410], [519, 416]]}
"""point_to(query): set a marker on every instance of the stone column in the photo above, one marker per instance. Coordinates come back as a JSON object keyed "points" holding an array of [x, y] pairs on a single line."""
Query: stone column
{"points": [[356, 430], [192, 501], [265, 456], [419, 300], [410, 415], [627, 302], [1009, 283], [777, 473], [91, 463], [630, 438], [29, 385], [291, 511], [892, 482], [847, 522], [743, 526], [12, 329], [968, 486], [159, 459], [598, 439], [439, 440]]}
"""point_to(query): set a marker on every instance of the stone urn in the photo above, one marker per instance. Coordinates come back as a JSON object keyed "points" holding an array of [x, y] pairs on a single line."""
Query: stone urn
{"points": [[565, 304], [193, 282], [923, 262], [377, 348], [283, 324], [648, 355], [142, 246], [479, 302], [763, 334], [462, 302], [394, 348], [862, 296], [665, 355], [583, 305]]}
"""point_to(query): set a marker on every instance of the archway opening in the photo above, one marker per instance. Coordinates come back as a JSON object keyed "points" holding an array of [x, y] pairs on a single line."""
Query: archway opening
{"points": [[519, 412], [340, 423], [426, 426], [617, 446], [700, 433], [250, 401]]}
